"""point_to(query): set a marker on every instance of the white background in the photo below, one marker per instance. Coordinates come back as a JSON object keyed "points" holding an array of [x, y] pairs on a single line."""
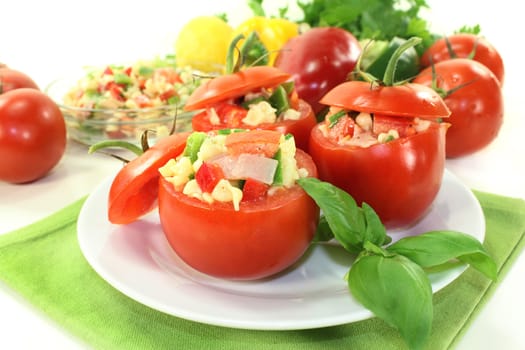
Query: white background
{"points": [[47, 38]]}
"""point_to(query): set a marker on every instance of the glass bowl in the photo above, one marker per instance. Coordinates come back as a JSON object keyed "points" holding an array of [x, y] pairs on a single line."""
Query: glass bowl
{"points": [[91, 125]]}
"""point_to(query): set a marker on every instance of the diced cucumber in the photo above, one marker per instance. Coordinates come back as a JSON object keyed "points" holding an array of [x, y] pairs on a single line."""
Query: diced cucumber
{"points": [[246, 104], [278, 176], [286, 172], [279, 100], [193, 145]]}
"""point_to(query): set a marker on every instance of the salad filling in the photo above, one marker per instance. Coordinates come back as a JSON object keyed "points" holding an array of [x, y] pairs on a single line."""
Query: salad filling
{"points": [[350, 128], [264, 106], [234, 166], [144, 84]]}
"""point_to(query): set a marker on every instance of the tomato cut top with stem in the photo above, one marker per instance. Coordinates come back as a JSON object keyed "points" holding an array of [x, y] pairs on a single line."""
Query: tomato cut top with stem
{"points": [[407, 100], [234, 85], [133, 192], [223, 106], [386, 96]]}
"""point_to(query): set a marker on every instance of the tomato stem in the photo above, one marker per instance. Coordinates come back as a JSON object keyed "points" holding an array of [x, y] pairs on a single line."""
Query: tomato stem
{"points": [[450, 50], [390, 71], [442, 92], [115, 144], [231, 64]]}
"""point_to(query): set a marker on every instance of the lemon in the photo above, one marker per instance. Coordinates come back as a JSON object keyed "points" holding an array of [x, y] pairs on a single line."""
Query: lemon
{"points": [[203, 44]]}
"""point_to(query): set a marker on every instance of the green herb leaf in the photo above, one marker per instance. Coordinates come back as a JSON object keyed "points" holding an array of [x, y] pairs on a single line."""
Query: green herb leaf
{"points": [[469, 29], [438, 247], [253, 51], [323, 232], [279, 100], [342, 214], [396, 290], [256, 7], [334, 118], [371, 19], [375, 230]]}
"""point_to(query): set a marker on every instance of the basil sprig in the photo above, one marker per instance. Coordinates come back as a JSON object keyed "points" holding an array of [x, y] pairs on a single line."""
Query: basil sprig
{"points": [[391, 280]]}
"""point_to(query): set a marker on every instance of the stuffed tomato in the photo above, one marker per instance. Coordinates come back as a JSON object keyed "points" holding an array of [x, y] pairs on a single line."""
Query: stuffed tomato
{"points": [[385, 146], [258, 97], [230, 206]]}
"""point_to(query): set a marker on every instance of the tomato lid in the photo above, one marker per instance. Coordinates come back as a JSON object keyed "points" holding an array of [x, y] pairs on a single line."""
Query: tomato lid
{"points": [[234, 85], [133, 192], [406, 100]]}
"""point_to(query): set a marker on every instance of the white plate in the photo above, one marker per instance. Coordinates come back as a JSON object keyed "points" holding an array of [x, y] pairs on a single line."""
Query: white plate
{"points": [[137, 260]]}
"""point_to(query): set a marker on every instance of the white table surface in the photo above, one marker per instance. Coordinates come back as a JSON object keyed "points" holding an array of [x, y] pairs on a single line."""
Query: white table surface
{"points": [[46, 38]]}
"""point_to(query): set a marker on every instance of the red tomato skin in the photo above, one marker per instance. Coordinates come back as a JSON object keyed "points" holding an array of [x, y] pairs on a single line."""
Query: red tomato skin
{"points": [[407, 100], [318, 60], [11, 79], [399, 179], [300, 128], [234, 85], [476, 109], [134, 190], [32, 135], [261, 239], [462, 45]]}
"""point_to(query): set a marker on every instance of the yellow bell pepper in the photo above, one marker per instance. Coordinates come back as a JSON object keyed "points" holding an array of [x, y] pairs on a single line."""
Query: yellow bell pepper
{"points": [[273, 32]]}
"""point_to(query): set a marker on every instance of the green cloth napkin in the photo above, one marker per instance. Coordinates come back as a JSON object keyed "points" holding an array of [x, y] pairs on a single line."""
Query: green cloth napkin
{"points": [[43, 263]]}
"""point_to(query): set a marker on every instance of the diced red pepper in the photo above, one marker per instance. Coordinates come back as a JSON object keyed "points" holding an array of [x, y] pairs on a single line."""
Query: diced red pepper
{"points": [[128, 71], [384, 123], [115, 90], [167, 95], [254, 190], [108, 71], [230, 114], [208, 176], [169, 74]]}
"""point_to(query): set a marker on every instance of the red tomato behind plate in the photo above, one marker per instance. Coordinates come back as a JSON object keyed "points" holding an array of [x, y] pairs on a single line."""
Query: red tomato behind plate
{"points": [[476, 107], [32, 135], [463, 45]]}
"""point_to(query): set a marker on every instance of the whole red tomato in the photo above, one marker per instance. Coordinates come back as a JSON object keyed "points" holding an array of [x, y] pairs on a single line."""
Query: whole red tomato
{"points": [[11, 79], [32, 135], [318, 60], [475, 100], [465, 45], [399, 177], [260, 239]]}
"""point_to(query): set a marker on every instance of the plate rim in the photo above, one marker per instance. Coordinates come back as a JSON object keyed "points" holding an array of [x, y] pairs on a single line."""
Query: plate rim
{"points": [[253, 323]]}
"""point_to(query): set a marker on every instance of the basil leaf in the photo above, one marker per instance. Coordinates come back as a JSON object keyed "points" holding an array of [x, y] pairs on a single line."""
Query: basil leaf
{"points": [[437, 247], [323, 232], [396, 290], [342, 214], [375, 230]]}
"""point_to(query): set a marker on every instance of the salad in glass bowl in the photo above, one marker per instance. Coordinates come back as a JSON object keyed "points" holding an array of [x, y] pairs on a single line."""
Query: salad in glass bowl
{"points": [[122, 101]]}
